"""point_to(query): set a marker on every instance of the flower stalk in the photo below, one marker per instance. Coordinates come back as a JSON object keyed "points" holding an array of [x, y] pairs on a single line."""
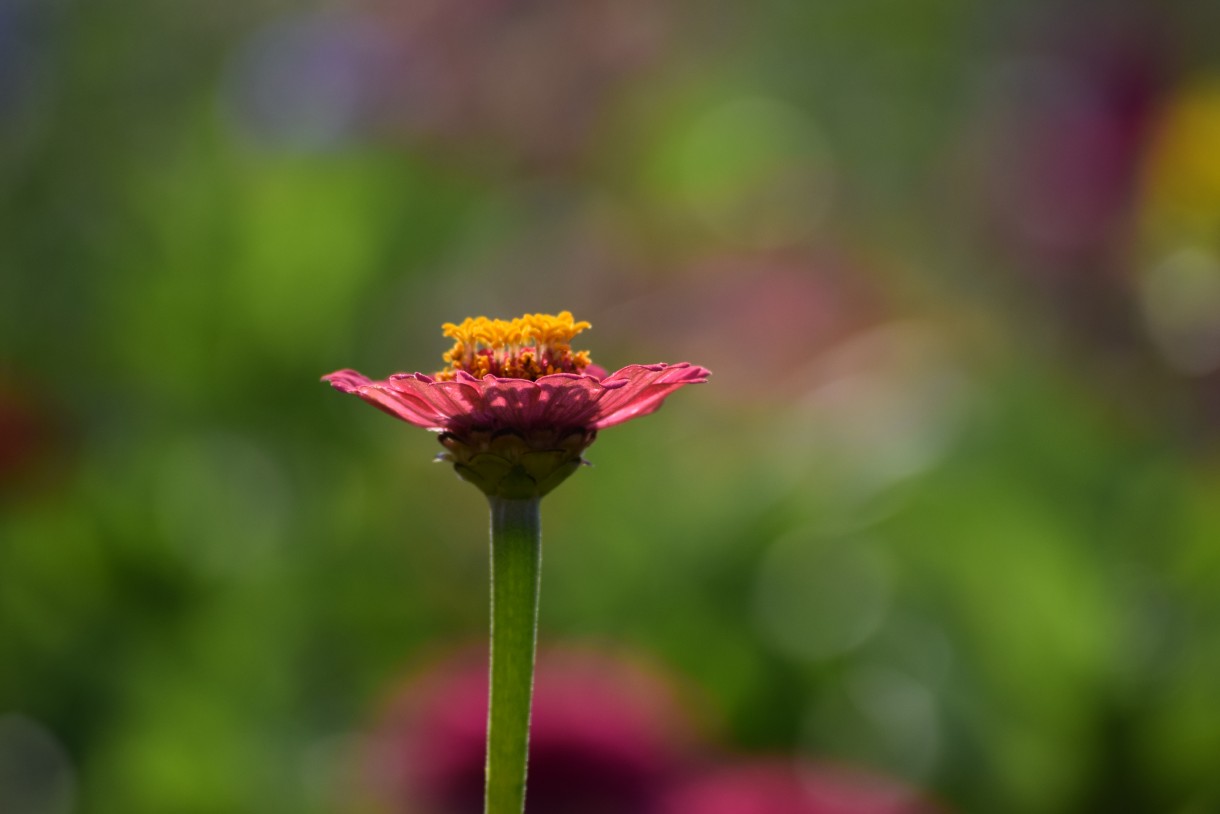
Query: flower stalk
{"points": [[516, 557]]}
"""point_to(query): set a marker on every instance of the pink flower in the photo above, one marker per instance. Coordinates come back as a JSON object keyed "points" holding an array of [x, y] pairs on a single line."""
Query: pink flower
{"points": [[607, 737], [517, 406], [781, 786]]}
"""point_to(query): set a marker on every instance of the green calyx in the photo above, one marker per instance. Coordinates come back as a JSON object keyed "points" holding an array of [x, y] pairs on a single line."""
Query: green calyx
{"points": [[516, 465]]}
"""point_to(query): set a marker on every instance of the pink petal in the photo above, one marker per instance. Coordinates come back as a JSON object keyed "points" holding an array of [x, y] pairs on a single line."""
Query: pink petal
{"points": [[511, 403], [569, 400], [596, 371], [402, 405], [562, 400], [406, 406], [347, 380], [640, 389], [455, 399]]}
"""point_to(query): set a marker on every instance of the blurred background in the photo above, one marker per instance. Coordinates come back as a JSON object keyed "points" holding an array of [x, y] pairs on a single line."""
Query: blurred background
{"points": [[946, 519]]}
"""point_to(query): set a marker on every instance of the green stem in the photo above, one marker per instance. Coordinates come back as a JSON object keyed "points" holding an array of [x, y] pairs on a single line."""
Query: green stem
{"points": [[516, 554]]}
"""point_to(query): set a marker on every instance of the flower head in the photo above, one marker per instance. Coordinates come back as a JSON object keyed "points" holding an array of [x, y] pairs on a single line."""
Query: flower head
{"points": [[515, 405]]}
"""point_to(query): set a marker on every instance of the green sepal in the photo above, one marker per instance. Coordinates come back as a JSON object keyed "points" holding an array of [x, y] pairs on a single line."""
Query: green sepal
{"points": [[516, 465]]}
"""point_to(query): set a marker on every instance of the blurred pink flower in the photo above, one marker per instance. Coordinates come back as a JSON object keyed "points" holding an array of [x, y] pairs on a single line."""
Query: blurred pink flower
{"points": [[784, 787], [607, 735]]}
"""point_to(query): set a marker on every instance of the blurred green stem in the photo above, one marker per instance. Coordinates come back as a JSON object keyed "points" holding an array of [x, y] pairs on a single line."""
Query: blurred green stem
{"points": [[516, 554]]}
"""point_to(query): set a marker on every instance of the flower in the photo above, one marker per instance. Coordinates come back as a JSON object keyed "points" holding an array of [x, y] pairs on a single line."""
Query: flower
{"points": [[609, 736], [773, 785], [515, 405]]}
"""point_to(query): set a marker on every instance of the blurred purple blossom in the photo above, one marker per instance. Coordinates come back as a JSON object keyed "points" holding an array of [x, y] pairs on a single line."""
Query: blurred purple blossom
{"points": [[607, 734], [307, 82], [1063, 125]]}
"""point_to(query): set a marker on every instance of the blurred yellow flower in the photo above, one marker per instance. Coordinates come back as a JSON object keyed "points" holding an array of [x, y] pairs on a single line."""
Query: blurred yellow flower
{"points": [[1182, 175]]}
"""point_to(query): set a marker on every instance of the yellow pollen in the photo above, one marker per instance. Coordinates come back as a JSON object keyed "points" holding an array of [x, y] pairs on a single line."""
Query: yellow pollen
{"points": [[528, 347]]}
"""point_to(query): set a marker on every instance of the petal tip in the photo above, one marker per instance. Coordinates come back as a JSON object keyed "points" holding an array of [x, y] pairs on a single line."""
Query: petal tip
{"points": [[346, 380]]}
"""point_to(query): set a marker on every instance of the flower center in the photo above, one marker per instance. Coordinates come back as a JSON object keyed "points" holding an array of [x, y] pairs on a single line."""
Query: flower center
{"points": [[528, 347]]}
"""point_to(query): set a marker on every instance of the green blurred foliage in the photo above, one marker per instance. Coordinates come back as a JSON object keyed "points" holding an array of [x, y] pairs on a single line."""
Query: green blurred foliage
{"points": [[215, 571]]}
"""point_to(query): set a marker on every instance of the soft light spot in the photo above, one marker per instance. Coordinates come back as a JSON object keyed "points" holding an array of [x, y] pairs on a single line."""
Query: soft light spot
{"points": [[885, 405], [902, 712], [817, 598], [1180, 297], [223, 502], [877, 715], [36, 773], [756, 170]]}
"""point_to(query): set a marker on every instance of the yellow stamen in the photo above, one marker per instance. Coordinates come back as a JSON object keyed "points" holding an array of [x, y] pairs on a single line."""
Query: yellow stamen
{"points": [[528, 347]]}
